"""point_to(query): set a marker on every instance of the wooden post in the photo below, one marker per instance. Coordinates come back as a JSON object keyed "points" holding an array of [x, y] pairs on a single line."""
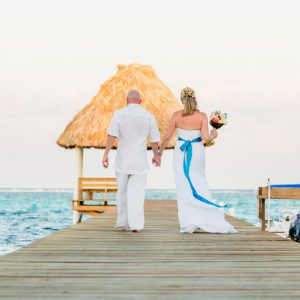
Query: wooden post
{"points": [[263, 214], [261, 207], [78, 173], [269, 204]]}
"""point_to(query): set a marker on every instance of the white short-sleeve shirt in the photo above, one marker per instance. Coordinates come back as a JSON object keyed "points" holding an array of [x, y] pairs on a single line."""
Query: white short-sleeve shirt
{"points": [[133, 125]]}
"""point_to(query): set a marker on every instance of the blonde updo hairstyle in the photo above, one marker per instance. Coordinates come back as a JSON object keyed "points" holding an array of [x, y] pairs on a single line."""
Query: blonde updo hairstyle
{"points": [[188, 99]]}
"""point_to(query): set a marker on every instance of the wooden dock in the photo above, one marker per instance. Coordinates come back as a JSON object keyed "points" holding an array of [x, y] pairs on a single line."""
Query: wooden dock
{"points": [[91, 261]]}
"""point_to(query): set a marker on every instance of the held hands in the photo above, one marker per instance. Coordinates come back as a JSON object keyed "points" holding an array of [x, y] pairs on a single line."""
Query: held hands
{"points": [[105, 161], [156, 160]]}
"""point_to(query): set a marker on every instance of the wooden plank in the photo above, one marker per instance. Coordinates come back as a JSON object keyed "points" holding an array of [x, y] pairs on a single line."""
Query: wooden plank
{"points": [[99, 201], [87, 208], [94, 213], [280, 193], [99, 190], [86, 185], [92, 261], [100, 179]]}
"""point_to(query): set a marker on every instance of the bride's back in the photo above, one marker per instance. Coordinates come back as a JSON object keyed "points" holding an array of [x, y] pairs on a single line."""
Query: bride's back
{"points": [[188, 119], [190, 122]]}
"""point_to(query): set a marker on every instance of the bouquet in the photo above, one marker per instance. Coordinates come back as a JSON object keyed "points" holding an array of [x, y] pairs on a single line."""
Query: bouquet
{"points": [[218, 119]]}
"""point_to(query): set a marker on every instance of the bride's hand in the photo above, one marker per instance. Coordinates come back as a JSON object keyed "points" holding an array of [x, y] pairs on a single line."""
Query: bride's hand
{"points": [[214, 133]]}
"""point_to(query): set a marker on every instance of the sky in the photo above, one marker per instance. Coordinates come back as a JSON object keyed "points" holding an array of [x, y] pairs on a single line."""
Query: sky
{"points": [[239, 56]]}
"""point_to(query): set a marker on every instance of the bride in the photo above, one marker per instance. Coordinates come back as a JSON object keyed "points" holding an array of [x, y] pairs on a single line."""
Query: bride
{"points": [[196, 209]]}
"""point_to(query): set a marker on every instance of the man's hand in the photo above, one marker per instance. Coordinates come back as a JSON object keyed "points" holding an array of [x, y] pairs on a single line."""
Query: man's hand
{"points": [[156, 161], [110, 141], [105, 162]]}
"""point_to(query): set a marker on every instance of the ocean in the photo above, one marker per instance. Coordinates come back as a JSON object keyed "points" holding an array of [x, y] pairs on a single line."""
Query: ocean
{"points": [[28, 215]]}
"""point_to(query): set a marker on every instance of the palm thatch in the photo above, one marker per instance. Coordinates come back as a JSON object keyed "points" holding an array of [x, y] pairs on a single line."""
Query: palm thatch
{"points": [[89, 127]]}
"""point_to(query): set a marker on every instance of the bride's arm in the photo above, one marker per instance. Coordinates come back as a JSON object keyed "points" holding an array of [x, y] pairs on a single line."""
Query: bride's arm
{"points": [[166, 139], [205, 134]]}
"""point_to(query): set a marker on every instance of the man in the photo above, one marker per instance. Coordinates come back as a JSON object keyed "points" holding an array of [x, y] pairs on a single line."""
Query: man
{"points": [[132, 125]]}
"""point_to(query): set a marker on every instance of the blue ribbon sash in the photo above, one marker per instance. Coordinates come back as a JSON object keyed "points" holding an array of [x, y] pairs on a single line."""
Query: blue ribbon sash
{"points": [[187, 148]]}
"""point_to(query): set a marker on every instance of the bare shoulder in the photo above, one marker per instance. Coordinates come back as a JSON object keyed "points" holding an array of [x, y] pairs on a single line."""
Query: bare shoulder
{"points": [[202, 114], [177, 114]]}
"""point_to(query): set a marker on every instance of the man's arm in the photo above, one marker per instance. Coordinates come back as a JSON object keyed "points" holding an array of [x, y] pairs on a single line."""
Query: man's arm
{"points": [[109, 144], [156, 158], [113, 134], [154, 137]]}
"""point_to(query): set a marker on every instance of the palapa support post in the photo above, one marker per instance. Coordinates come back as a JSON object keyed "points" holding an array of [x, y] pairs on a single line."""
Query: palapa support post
{"points": [[78, 173]]}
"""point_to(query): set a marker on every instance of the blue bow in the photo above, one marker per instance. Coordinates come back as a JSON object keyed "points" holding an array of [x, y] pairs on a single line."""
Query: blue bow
{"points": [[187, 148]]}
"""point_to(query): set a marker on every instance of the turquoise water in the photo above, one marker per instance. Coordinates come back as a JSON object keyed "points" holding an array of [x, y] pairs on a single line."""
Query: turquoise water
{"points": [[26, 216]]}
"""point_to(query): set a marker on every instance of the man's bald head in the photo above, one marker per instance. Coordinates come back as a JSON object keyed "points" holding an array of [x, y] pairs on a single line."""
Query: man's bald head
{"points": [[133, 97]]}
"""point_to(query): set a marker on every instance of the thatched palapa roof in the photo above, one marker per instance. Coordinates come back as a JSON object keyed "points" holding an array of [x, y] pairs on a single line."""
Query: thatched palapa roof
{"points": [[89, 127]]}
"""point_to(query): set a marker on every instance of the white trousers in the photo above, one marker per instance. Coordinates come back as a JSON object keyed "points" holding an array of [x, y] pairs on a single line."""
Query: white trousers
{"points": [[130, 200]]}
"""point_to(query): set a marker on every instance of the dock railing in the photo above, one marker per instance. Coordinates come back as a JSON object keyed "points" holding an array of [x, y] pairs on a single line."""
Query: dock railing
{"points": [[275, 192]]}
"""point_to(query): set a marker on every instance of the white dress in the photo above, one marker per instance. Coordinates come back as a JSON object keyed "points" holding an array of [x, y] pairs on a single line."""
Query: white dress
{"points": [[195, 215]]}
